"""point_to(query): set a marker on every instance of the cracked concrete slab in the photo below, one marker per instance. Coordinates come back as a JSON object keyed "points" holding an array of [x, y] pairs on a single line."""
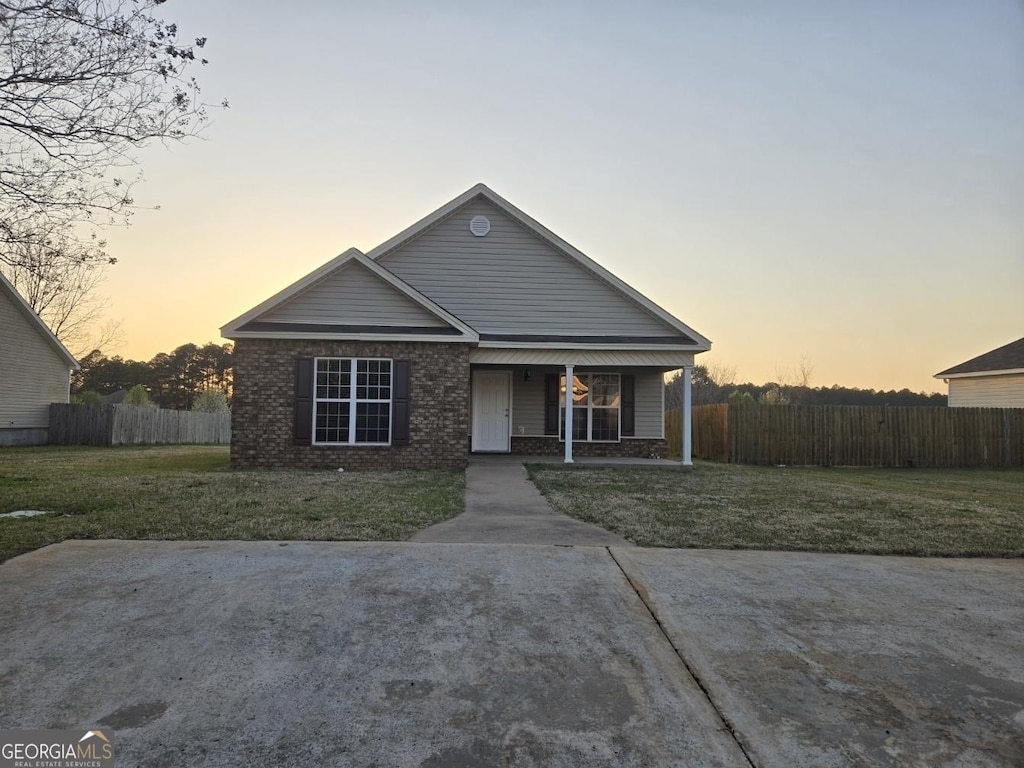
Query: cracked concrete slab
{"points": [[846, 660], [348, 654]]}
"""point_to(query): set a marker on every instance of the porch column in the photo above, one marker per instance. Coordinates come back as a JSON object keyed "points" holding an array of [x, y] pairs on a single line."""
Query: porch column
{"points": [[687, 417], [568, 413]]}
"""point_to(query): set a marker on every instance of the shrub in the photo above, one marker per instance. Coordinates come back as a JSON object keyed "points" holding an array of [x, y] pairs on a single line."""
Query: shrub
{"points": [[211, 401], [139, 397]]}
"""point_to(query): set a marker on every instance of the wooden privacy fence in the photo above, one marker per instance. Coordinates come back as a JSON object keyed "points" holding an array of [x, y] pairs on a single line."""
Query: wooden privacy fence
{"points": [[851, 435], [130, 425], [708, 423]]}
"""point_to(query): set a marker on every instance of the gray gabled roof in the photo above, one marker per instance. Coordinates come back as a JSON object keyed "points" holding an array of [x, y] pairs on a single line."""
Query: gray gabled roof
{"points": [[1008, 358], [44, 331], [655, 328], [249, 324]]}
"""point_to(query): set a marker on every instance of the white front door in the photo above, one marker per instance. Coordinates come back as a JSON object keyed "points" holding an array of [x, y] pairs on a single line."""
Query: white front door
{"points": [[491, 400]]}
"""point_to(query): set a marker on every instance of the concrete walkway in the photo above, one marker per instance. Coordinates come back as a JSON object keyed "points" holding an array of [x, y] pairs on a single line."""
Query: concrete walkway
{"points": [[504, 507]]}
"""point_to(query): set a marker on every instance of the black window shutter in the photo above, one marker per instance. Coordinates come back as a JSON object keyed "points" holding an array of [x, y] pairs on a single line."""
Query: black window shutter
{"points": [[628, 406], [551, 382], [400, 402], [303, 432]]}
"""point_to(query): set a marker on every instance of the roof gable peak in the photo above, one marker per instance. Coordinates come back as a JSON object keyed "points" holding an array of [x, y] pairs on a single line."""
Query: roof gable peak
{"points": [[33, 317], [543, 233]]}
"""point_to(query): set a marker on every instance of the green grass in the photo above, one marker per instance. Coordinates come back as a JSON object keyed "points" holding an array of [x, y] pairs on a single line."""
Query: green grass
{"points": [[936, 512], [188, 492]]}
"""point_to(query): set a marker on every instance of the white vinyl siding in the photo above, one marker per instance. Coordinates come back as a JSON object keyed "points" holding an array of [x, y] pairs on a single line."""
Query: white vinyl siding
{"points": [[648, 420], [512, 282], [987, 392], [32, 373], [528, 403], [353, 296]]}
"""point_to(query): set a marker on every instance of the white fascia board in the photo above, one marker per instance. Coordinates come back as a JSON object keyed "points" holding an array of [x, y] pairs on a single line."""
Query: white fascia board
{"points": [[43, 328], [346, 336], [352, 254], [544, 233], [976, 374]]}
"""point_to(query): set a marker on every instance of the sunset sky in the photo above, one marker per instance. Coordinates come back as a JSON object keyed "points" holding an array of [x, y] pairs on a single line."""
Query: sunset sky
{"points": [[839, 183]]}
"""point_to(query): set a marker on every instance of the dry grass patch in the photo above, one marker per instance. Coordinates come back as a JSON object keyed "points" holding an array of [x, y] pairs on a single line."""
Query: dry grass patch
{"points": [[188, 492], [940, 512]]}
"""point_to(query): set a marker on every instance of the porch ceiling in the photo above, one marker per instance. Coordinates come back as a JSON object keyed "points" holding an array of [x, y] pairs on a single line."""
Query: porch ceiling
{"points": [[669, 359]]}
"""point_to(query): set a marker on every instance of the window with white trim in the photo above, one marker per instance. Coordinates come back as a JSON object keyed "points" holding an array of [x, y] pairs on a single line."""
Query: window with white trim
{"points": [[352, 401], [595, 407]]}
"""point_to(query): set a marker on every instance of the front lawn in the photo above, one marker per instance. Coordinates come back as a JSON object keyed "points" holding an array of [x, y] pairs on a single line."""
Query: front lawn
{"points": [[944, 512], [188, 492]]}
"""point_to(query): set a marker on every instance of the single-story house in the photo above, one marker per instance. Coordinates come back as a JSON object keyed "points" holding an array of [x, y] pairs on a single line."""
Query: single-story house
{"points": [[36, 371], [992, 380], [457, 335]]}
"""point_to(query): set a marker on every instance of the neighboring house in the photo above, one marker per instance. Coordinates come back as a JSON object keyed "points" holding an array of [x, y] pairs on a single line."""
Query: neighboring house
{"points": [[457, 335], [35, 371], [115, 398], [992, 380]]}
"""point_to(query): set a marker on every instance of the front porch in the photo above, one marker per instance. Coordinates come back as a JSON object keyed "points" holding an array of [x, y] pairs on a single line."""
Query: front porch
{"points": [[616, 412]]}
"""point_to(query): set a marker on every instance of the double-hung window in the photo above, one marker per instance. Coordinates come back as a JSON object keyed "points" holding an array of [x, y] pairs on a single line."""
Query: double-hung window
{"points": [[352, 401], [595, 407]]}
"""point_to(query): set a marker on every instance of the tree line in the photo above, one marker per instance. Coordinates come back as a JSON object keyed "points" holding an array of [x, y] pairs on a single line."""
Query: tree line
{"points": [[715, 385], [181, 379]]}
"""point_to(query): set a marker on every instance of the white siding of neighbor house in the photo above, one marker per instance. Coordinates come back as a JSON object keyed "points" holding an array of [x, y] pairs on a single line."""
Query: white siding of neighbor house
{"points": [[511, 281], [32, 373], [353, 296], [987, 392], [528, 405]]}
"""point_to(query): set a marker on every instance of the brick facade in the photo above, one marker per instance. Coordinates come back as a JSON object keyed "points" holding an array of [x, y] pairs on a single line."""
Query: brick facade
{"points": [[263, 411], [629, 447]]}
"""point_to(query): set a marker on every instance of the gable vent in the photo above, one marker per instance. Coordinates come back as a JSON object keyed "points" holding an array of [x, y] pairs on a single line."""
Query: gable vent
{"points": [[479, 225]]}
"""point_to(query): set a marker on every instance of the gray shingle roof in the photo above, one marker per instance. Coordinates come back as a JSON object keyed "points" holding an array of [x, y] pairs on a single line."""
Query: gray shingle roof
{"points": [[1007, 357]]}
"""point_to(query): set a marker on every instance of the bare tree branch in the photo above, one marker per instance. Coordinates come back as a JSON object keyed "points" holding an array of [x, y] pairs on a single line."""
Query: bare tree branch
{"points": [[59, 276], [108, 335], [83, 85]]}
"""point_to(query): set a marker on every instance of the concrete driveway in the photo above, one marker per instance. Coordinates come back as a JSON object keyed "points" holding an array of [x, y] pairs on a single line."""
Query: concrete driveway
{"points": [[266, 654]]}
